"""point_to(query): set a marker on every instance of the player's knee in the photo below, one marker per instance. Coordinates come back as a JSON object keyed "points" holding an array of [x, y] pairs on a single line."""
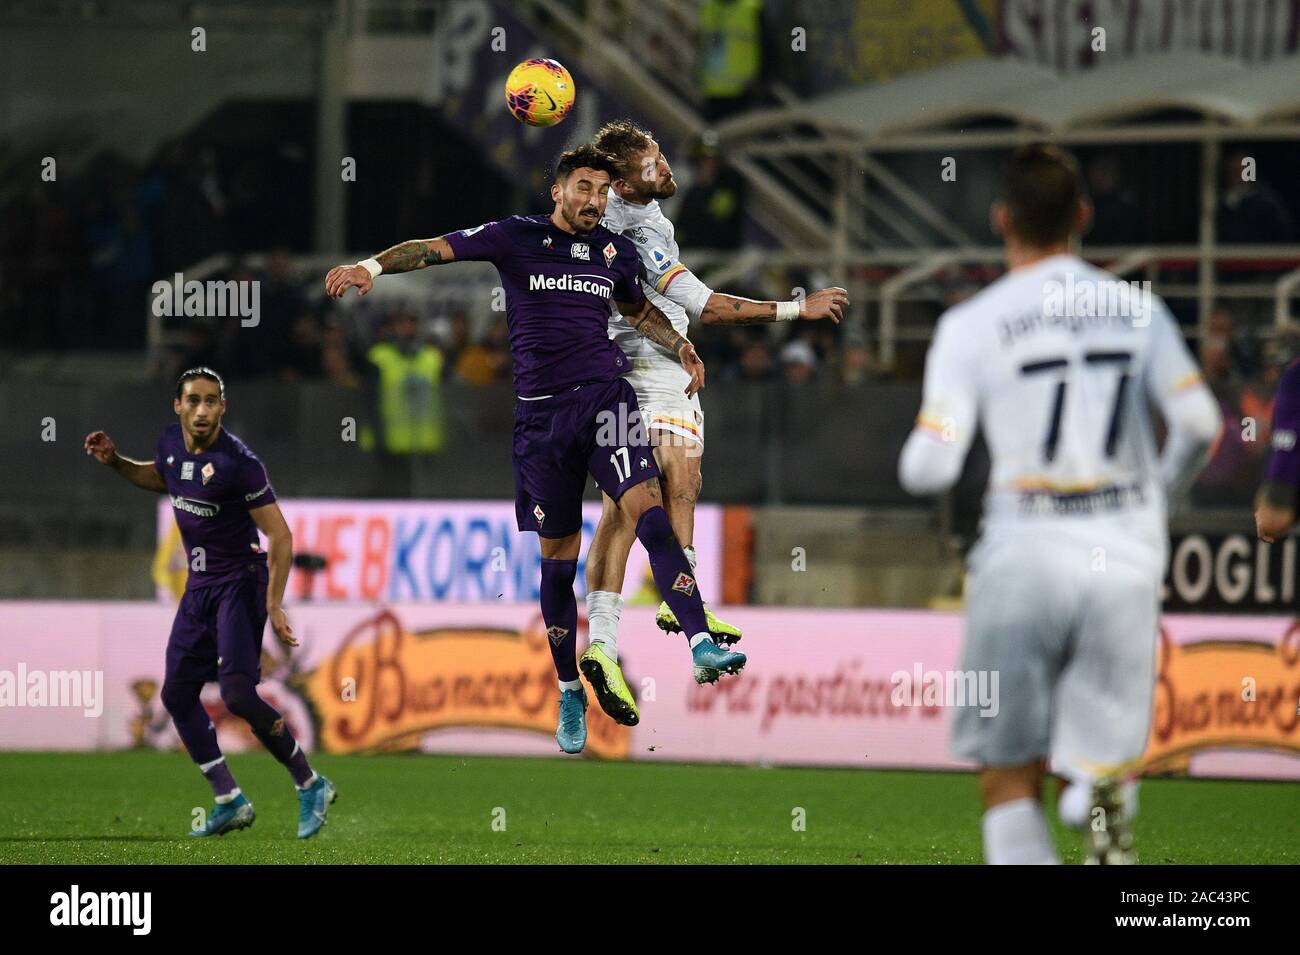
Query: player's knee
{"points": [[653, 525], [239, 693], [613, 518], [178, 698], [558, 575]]}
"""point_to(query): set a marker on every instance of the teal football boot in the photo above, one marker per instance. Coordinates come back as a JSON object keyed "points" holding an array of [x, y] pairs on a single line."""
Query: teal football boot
{"points": [[227, 817], [571, 734], [314, 806], [712, 662]]}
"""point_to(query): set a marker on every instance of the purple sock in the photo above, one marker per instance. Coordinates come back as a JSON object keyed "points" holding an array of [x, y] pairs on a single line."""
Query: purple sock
{"points": [[220, 778], [672, 571], [560, 613], [241, 697], [299, 768]]}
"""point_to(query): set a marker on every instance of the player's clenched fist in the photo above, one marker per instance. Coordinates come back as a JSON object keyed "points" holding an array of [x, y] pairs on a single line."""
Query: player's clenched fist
{"points": [[343, 277], [691, 362], [101, 446], [825, 303]]}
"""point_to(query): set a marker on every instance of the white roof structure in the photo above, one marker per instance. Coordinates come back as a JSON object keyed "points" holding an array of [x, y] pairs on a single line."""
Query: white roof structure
{"points": [[1038, 99], [877, 216]]}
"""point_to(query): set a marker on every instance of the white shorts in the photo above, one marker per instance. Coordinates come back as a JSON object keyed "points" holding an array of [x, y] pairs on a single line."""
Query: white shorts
{"points": [[660, 386], [1070, 624]]}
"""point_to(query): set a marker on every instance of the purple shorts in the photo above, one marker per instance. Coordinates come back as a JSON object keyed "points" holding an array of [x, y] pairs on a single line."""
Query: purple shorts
{"points": [[218, 630], [594, 428]]}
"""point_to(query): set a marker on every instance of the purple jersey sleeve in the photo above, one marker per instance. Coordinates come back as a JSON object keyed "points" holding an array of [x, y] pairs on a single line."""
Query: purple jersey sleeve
{"points": [[627, 290], [252, 484], [485, 243], [1284, 457]]}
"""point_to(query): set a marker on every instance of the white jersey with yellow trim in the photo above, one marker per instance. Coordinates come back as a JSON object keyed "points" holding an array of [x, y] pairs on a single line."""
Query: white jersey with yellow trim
{"points": [[1056, 362], [669, 285]]}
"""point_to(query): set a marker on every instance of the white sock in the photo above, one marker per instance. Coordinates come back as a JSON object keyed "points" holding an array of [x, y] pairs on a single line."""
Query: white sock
{"points": [[570, 685], [228, 797], [703, 635], [689, 550], [603, 611], [1075, 804], [1016, 833]]}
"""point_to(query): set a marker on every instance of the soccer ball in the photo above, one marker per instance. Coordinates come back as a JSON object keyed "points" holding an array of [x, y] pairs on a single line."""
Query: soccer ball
{"points": [[540, 92]]}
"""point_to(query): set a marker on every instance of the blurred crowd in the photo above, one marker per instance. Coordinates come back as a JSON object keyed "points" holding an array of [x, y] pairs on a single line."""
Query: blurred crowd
{"points": [[307, 338], [80, 254]]}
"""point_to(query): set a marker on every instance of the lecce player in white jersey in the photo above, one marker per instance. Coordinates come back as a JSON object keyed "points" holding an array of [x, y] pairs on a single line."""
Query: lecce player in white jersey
{"points": [[1056, 361], [674, 419]]}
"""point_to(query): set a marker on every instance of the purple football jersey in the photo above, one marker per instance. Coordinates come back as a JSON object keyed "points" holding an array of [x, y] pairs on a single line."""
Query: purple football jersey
{"points": [[211, 496], [1284, 458], [558, 290]]}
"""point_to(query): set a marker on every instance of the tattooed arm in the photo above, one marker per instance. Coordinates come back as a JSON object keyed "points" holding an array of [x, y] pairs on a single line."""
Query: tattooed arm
{"points": [[403, 257], [416, 254], [654, 325], [723, 309]]}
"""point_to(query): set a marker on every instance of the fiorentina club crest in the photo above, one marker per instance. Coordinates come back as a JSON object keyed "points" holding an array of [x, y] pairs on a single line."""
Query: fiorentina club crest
{"points": [[539, 514], [207, 472], [610, 252], [685, 583], [557, 634]]}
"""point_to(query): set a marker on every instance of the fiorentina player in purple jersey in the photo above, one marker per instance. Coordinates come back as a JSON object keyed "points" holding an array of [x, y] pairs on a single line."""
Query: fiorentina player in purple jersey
{"points": [[221, 497], [575, 413], [1275, 505]]}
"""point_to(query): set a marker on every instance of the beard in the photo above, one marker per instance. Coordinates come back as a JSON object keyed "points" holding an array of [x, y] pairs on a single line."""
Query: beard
{"points": [[575, 221], [666, 191]]}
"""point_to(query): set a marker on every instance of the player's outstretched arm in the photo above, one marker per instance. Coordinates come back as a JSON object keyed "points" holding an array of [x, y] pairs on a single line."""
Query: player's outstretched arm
{"points": [[723, 309], [655, 325], [140, 473], [279, 558], [403, 257]]}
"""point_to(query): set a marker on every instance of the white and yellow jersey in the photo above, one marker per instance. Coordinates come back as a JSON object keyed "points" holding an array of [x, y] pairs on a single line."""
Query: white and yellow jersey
{"points": [[670, 286], [1056, 362]]}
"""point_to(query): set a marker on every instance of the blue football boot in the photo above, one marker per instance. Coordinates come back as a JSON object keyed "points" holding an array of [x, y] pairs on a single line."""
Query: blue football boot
{"points": [[571, 734], [713, 661], [314, 806], [227, 817]]}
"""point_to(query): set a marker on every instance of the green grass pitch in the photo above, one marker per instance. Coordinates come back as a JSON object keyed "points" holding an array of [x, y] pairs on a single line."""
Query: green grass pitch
{"points": [[135, 807]]}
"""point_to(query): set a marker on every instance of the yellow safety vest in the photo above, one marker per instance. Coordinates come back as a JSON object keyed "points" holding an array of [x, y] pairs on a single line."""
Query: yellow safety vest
{"points": [[410, 401], [732, 51]]}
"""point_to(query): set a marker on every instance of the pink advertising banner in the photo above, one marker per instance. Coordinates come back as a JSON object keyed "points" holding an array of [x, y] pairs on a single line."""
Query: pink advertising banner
{"points": [[443, 551], [823, 687]]}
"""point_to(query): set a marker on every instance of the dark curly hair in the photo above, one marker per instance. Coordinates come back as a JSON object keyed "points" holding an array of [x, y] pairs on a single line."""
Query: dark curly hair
{"points": [[585, 156]]}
